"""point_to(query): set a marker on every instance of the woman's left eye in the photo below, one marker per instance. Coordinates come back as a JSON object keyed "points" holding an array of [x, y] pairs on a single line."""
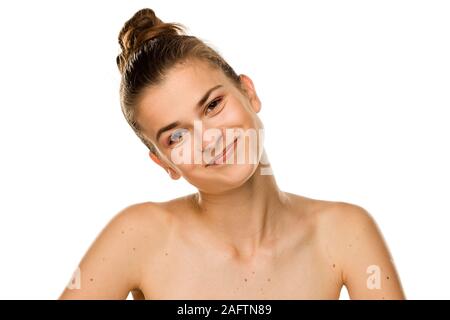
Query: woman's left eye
{"points": [[213, 104]]}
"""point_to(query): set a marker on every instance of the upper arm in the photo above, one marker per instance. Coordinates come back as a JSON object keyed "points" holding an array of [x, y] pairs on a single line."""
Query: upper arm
{"points": [[110, 267], [368, 270]]}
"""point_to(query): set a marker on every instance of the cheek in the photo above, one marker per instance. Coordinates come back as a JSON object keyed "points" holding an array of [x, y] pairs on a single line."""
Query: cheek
{"points": [[235, 115], [181, 155]]}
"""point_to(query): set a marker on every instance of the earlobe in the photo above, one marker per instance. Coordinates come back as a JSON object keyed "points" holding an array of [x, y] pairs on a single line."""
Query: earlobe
{"points": [[173, 174], [250, 91], [257, 104]]}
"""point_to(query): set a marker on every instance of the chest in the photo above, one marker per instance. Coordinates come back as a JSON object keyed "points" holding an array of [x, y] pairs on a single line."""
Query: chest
{"points": [[189, 273]]}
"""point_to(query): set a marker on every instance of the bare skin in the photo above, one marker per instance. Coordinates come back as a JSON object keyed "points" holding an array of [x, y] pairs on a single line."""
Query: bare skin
{"points": [[239, 236], [167, 252]]}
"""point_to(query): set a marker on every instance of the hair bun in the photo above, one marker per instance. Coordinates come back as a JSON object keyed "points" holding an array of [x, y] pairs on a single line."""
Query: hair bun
{"points": [[143, 26]]}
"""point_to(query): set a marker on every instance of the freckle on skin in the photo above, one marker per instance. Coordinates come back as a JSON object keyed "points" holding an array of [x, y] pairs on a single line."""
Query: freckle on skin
{"points": [[122, 232], [166, 254], [387, 277], [134, 249], [268, 279], [334, 266], [245, 279], [92, 279]]}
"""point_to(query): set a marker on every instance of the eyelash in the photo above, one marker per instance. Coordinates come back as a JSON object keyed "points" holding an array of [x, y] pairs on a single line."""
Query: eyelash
{"points": [[218, 100], [169, 142]]}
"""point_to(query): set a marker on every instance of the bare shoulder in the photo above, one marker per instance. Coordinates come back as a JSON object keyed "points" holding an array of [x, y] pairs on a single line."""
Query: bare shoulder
{"points": [[326, 216], [140, 222], [348, 226], [327, 220], [111, 266], [340, 225], [356, 242], [348, 235], [144, 215], [154, 219], [343, 217]]}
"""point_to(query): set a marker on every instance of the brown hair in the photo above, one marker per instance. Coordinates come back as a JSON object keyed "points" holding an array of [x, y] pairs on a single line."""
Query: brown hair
{"points": [[150, 48]]}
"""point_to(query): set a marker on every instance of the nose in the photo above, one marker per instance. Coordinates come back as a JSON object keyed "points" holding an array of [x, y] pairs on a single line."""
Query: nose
{"points": [[212, 139], [207, 137]]}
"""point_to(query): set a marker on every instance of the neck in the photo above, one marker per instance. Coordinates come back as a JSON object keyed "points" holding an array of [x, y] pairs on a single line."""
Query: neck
{"points": [[245, 218]]}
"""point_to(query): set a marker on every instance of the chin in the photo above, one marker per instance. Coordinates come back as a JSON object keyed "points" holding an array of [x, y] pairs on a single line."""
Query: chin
{"points": [[227, 177]]}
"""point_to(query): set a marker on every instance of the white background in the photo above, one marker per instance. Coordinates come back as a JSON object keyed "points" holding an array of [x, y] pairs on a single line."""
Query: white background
{"points": [[355, 101]]}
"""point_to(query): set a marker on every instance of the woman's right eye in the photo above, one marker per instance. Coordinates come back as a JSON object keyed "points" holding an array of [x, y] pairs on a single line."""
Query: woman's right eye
{"points": [[176, 136]]}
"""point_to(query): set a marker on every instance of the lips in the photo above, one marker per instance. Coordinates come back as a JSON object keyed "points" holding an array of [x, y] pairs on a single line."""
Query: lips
{"points": [[222, 154]]}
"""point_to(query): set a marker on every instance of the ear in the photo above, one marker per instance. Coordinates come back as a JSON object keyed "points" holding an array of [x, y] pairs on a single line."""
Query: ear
{"points": [[155, 158], [172, 173], [248, 86]]}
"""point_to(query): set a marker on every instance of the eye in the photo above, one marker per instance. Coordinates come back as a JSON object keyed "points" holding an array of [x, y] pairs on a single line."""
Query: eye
{"points": [[176, 136], [213, 104]]}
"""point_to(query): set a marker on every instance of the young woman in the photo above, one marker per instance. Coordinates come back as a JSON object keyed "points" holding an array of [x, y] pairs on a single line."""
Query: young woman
{"points": [[239, 236]]}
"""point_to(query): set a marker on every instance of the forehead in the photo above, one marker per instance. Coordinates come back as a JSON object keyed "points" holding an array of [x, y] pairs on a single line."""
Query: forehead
{"points": [[177, 95]]}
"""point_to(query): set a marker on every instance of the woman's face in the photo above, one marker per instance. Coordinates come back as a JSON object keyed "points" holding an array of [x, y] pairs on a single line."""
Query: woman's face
{"points": [[191, 125]]}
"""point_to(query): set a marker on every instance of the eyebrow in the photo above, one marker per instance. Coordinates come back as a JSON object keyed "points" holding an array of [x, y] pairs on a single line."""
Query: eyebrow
{"points": [[199, 104]]}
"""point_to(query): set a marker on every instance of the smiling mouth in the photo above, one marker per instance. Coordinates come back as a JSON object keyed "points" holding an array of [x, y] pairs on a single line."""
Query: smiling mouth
{"points": [[222, 155]]}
